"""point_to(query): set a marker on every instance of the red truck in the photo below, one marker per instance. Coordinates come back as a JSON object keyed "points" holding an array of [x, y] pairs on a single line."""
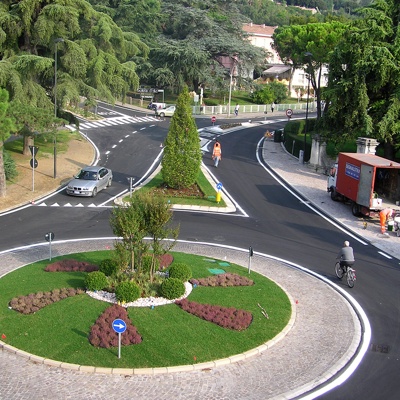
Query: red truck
{"points": [[369, 182]]}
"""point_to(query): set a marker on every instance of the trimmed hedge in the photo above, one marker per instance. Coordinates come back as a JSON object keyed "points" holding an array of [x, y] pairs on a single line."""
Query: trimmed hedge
{"points": [[127, 292], [96, 281], [180, 271], [172, 288]]}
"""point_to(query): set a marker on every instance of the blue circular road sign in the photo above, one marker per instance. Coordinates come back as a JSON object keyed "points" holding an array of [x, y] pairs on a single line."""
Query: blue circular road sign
{"points": [[219, 185], [119, 325]]}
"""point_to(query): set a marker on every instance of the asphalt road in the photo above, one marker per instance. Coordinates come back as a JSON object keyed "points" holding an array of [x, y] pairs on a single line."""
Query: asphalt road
{"points": [[271, 221]]}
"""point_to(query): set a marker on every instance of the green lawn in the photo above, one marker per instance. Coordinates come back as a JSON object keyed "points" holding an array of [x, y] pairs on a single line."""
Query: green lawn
{"points": [[209, 199], [170, 335]]}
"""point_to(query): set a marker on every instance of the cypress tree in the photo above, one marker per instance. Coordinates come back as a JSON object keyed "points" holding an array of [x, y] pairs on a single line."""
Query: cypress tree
{"points": [[182, 155]]}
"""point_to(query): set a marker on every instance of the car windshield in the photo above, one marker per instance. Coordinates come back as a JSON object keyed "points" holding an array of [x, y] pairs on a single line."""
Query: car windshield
{"points": [[87, 175]]}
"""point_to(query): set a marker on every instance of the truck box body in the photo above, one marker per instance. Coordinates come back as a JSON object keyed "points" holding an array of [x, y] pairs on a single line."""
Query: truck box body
{"points": [[366, 179]]}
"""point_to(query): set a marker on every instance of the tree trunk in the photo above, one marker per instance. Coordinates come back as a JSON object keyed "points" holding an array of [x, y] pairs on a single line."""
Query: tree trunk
{"points": [[28, 141], [3, 185], [388, 151]]}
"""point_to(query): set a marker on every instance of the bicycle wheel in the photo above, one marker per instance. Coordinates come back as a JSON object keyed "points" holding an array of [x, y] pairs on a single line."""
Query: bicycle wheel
{"points": [[339, 270], [350, 278]]}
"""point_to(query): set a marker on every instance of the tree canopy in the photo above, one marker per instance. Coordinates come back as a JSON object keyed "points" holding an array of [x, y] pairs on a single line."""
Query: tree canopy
{"points": [[363, 93], [311, 46]]}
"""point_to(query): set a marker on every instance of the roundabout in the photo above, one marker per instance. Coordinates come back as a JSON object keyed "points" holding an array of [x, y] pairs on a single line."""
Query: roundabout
{"points": [[307, 354]]}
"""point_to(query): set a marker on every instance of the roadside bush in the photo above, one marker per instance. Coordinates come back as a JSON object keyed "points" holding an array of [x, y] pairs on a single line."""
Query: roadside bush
{"points": [[10, 168], [108, 266], [172, 288], [127, 292], [180, 271], [96, 281]]}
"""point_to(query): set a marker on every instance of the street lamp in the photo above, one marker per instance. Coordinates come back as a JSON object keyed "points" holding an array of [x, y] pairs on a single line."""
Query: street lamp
{"points": [[308, 97], [232, 68], [56, 41]]}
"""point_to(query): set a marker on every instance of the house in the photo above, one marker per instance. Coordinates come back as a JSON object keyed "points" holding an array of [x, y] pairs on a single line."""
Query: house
{"points": [[261, 36]]}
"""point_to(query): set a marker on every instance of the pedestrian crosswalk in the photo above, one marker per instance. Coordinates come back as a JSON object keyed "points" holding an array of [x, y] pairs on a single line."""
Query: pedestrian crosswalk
{"points": [[116, 121]]}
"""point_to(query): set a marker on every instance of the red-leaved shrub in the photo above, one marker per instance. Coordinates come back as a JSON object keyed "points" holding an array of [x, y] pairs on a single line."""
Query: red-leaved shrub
{"points": [[35, 301], [230, 318], [102, 333], [165, 261], [71, 265], [227, 279]]}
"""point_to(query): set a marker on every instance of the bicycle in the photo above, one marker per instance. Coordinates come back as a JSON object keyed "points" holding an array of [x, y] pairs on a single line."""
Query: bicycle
{"points": [[350, 274]]}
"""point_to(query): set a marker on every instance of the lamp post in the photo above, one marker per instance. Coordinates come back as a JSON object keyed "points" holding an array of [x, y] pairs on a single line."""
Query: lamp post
{"points": [[56, 41], [308, 97], [232, 68]]}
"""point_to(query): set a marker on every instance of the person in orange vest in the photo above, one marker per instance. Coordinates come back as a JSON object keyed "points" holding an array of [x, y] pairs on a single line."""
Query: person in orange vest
{"points": [[217, 153], [384, 215]]}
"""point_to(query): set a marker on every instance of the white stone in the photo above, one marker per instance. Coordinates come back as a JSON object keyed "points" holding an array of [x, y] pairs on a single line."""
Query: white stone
{"points": [[142, 302]]}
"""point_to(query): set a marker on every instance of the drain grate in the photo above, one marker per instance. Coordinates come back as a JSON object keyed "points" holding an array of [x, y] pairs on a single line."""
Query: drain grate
{"points": [[380, 348]]}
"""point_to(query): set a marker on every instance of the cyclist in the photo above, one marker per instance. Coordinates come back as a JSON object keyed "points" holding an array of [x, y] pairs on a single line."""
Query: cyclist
{"points": [[346, 256]]}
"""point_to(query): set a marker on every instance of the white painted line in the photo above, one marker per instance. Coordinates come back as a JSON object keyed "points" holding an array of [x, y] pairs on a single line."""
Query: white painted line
{"points": [[107, 152], [385, 255], [114, 146], [276, 177]]}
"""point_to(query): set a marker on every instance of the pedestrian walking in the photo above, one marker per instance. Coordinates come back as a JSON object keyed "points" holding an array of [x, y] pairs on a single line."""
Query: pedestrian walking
{"points": [[384, 215], [217, 154], [272, 106], [237, 109]]}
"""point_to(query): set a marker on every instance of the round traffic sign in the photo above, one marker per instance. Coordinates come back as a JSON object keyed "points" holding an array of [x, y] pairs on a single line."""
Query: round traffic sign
{"points": [[49, 236], [219, 185], [119, 325], [289, 112], [213, 118], [33, 163]]}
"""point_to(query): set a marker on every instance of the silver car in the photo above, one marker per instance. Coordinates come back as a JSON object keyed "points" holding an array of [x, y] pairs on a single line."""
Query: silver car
{"points": [[166, 112], [90, 181]]}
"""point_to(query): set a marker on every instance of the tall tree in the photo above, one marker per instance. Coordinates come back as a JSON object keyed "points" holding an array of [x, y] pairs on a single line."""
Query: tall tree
{"points": [[6, 127], [195, 36], [182, 155], [94, 53], [157, 214], [309, 47], [363, 95]]}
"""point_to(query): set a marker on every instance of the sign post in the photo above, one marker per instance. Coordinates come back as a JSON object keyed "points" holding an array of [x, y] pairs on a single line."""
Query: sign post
{"points": [[219, 187], [49, 237], [33, 163], [130, 179], [250, 255], [119, 326], [213, 119], [289, 113]]}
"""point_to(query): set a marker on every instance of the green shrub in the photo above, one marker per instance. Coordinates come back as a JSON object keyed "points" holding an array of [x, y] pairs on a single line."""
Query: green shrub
{"points": [[146, 263], [172, 288], [108, 266], [96, 281], [127, 292], [10, 168], [295, 127], [180, 271]]}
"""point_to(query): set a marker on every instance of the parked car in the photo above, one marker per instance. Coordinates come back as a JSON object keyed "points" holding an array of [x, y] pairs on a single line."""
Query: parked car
{"points": [[90, 181], [166, 112]]}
